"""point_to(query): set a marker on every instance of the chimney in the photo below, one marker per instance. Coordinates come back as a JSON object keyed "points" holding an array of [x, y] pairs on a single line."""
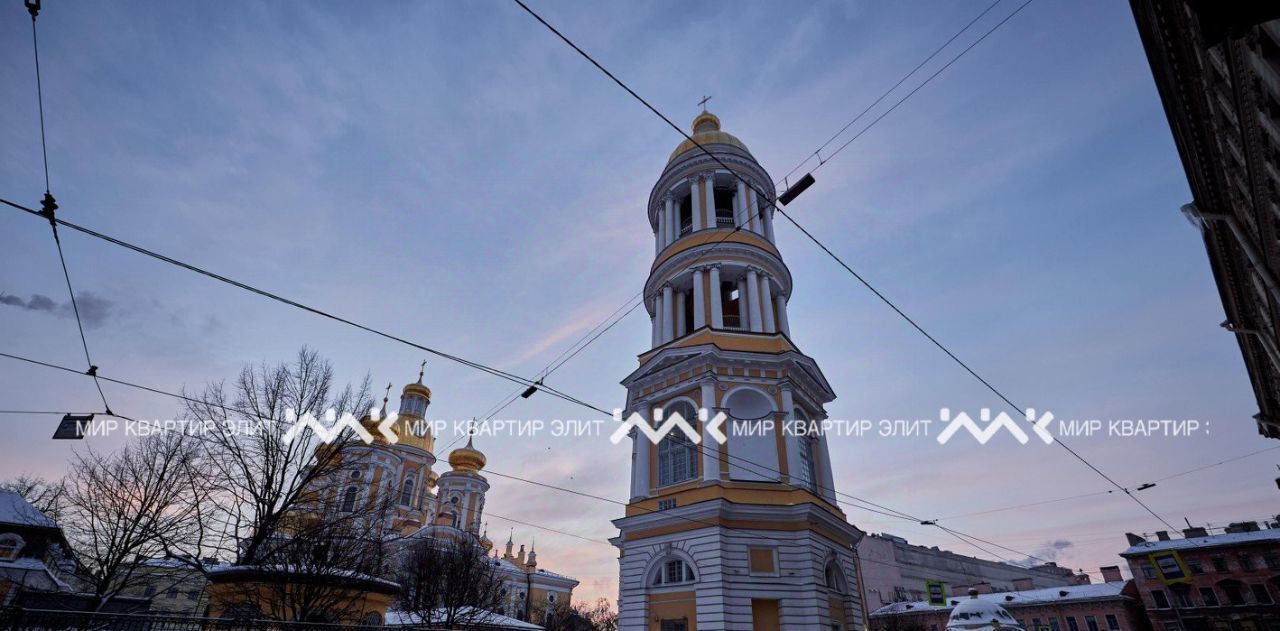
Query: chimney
{"points": [[1243, 526], [1134, 539], [1195, 531], [1022, 584], [1081, 578], [1111, 574], [1162, 535]]}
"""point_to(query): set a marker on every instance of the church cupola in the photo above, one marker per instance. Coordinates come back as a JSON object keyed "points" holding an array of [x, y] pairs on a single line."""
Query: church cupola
{"points": [[460, 492]]}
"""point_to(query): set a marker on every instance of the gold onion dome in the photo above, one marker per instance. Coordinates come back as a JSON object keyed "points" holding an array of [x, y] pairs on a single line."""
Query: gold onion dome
{"points": [[467, 458], [706, 131]]}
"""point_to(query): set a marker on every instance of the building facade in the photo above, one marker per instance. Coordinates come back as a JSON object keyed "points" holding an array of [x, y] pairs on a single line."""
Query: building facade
{"points": [[1217, 67], [1202, 582], [744, 534], [893, 570], [1108, 606]]}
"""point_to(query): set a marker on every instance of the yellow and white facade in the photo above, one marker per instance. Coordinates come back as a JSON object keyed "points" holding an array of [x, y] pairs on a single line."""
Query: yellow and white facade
{"points": [[745, 534]]}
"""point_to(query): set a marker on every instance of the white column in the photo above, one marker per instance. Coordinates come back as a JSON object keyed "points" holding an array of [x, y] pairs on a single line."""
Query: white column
{"points": [[710, 448], [697, 202], [717, 309], [709, 191], [668, 319], [640, 449], [766, 304], [753, 300], [767, 218], [653, 322], [753, 209], [780, 304], [744, 313], [659, 311], [740, 202], [672, 223], [699, 304], [826, 474], [682, 327]]}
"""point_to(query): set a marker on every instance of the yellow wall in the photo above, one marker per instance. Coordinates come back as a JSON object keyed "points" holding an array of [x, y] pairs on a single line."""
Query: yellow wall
{"points": [[672, 606]]}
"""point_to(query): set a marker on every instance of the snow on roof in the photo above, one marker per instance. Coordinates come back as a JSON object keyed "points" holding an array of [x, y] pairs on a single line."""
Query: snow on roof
{"points": [[1065, 593], [512, 567], [16, 510], [18, 570], [1210, 541], [487, 618]]}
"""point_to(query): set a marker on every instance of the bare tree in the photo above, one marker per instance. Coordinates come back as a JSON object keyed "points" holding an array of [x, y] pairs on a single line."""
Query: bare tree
{"points": [[44, 496], [448, 583], [121, 508], [561, 616], [274, 509]]}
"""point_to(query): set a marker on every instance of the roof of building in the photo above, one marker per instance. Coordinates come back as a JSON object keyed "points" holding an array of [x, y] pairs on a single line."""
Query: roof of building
{"points": [[1210, 541], [706, 131], [1065, 593], [488, 618], [16, 510]]}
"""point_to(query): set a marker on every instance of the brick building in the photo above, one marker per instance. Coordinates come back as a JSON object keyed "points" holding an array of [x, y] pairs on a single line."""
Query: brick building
{"points": [[1203, 582], [1109, 606]]}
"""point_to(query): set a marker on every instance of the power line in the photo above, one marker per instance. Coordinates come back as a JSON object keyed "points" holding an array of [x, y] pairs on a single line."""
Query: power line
{"points": [[716, 159], [818, 152], [317, 311]]}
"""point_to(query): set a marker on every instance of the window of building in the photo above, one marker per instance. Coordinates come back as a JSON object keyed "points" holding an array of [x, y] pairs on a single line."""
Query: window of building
{"points": [[677, 455], [672, 572], [1260, 593], [406, 492], [675, 625], [1271, 560], [10, 545], [1182, 595], [1231, 589], [1113, 623], [413, 405], [1194, 566], [686, 214], [349, 500], [1246, 562], [551, 597], [1071, 624], [1158, 596], [1172, 626], [1220, 564], [807, 462], [724, 207], [1091, 622], [834, 577], [1053, 624], [1148, 571], [761, 560], [1209, 597], [667, 504]]}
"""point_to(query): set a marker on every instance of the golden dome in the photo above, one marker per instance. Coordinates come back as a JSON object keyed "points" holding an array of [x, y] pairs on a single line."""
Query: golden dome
{"points": [[706, 131], [467, 458], [486, 543], [418, 388]]}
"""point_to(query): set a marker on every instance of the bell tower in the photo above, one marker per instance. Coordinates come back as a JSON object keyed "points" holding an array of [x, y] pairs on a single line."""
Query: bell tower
{"points": [[744, 534]]}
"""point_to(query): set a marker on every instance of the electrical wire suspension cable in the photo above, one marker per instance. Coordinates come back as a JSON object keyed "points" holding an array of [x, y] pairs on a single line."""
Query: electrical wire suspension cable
{"points": [[884, 299]]}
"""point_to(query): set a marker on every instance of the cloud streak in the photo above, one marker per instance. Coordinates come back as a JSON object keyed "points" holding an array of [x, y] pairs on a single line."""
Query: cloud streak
{"points": [[94, 309]]}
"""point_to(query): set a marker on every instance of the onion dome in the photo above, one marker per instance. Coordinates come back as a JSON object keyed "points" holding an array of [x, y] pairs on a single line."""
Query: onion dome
{"points": [[976, 614], [485, 541], [467, 458], [706, 131]]}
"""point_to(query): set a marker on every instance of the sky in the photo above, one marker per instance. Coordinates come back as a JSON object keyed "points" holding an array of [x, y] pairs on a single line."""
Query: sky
{"points": [[454, 174]]}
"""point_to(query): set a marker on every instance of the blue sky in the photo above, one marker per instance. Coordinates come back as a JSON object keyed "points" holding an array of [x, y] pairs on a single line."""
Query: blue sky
{"points": [[452, 173]]}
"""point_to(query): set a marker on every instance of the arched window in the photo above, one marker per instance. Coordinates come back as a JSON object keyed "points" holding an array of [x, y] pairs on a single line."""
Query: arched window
{"points": [[406, 491], [834, 577], [413, 405], [373, 619], [673, 571], [349, 500], [677, 455]]}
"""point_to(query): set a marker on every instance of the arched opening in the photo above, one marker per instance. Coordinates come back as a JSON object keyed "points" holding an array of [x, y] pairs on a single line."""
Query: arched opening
{"points": [[406, 491], [677, 455], [724, 206], [834, 577], [731, 304], [672, 570], [349, 500], [685, 212], [753, 447]]}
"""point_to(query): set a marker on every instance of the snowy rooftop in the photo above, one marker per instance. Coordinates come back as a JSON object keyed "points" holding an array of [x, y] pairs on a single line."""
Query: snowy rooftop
{"points": [[489, 618], [15, 510], [1047, 595], [1211, 541]]}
